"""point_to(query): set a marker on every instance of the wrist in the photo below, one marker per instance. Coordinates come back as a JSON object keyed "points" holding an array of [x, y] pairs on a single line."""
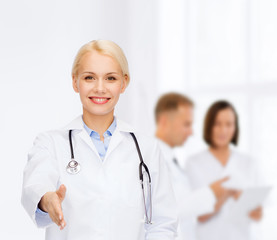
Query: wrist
{"points": [[42, 203]]}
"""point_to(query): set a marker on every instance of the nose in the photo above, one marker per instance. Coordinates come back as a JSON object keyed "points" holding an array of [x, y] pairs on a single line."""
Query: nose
{"points": [[100, 86]]}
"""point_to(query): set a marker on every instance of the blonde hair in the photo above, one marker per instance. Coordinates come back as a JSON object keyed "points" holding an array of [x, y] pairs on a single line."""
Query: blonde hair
{"points": [[104, 47]]}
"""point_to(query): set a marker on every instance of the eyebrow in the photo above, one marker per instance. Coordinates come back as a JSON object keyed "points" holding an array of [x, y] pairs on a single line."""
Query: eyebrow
{"points": [[105, 74]]}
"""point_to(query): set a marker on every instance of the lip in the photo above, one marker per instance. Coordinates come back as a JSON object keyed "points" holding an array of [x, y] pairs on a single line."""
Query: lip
{"points": [[99, 100]]}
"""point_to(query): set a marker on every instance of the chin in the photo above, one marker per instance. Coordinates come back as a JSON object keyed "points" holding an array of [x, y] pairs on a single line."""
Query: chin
{"points": [[101, 112], [221, 145], [180, 144]]}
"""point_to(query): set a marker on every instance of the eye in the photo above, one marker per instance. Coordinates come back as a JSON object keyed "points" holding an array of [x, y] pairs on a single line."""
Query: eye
{"points": [[111, 78], [88, 78]]}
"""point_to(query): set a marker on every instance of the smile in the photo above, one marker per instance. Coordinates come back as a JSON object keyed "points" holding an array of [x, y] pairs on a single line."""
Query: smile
{"points": [[99, 100]]}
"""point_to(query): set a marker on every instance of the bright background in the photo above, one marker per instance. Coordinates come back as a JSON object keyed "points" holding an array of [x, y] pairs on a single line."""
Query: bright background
{"points": [[209, 50]]}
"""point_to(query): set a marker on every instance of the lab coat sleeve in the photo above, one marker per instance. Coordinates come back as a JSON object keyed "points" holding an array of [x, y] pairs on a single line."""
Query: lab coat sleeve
{"points": [[40, 176], [164, 219]]}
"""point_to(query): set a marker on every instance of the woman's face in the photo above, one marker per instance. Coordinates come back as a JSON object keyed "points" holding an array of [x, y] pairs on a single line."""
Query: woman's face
{"points": [[99, 82], [224, 128]]}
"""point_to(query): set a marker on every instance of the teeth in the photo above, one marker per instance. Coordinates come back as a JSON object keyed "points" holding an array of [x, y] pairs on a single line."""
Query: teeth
{"points": [[99, 99]]}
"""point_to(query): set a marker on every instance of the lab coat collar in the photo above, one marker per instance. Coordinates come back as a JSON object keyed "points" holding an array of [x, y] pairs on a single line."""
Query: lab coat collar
{"points": [[77, 124], [124, 127]]}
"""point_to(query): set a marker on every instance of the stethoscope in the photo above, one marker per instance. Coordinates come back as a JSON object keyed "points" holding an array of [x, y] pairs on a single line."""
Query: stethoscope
{"points": [[73, 167]]}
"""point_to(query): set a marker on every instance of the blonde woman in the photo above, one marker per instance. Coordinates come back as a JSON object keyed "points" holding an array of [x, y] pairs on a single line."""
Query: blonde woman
{"points": [[95, 178]]}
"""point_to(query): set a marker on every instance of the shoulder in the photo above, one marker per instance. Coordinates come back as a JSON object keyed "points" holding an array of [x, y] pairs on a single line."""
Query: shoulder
{"points": [[54, 135], [48, 139], [239, 154], [144, 141], [242, 158], [147, 143]]}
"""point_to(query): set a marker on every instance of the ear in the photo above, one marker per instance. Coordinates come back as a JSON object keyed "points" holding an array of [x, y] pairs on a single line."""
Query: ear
{"points": [[125, 83], [163, 119], [75, 83]]}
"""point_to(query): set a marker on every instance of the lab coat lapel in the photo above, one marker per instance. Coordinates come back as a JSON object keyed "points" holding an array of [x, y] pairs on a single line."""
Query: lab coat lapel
{"points": [[86, 138], [77, 124], [118, 135], [115, 141]]}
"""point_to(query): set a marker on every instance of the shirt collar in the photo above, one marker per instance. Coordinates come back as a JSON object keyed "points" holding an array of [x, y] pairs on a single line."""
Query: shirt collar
{"points": [[108, 132]]}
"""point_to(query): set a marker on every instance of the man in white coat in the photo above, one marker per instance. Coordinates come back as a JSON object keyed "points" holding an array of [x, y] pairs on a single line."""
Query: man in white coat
{"points": [[174, 116]]}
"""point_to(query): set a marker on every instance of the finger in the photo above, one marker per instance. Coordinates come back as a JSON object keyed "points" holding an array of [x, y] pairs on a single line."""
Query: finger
{"points": [[59, 214], [56, 218], [61, 221], [63, 224], [56, 213], [61, 192]]}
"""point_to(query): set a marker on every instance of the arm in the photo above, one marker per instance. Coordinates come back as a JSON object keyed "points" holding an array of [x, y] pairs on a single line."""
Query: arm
{"points": [[40, 176], [164, 219], [222, 195]]}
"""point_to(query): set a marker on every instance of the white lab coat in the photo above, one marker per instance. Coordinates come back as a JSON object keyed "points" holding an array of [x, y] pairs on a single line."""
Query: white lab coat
{"points": [[203, 169], [190, 203], [104, 200]]}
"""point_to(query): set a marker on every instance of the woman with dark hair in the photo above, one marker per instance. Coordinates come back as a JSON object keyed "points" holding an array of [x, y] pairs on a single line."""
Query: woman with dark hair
{"points": [[221, 131]]}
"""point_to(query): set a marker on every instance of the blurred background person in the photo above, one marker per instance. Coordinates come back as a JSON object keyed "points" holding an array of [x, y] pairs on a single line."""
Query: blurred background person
{"points": [[221, 130], [174, 118]]}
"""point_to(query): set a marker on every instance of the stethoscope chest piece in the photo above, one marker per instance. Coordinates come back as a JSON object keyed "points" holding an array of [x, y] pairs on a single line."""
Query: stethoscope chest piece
{"points": [[73, 167]]}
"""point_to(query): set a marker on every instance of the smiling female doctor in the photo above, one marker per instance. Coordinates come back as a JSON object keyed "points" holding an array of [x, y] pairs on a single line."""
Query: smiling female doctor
{"points": [[84, 181]]}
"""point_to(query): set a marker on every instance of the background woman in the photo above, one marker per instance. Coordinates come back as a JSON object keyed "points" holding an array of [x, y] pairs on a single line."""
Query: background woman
{"points": [[221, 130]]}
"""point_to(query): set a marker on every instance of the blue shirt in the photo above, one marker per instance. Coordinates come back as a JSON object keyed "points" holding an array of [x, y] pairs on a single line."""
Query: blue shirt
{"points": [[102, 146]]}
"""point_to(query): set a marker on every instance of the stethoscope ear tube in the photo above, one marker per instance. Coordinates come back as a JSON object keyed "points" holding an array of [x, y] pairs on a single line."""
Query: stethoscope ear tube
{"points": [[70, 143], [142, 164]]}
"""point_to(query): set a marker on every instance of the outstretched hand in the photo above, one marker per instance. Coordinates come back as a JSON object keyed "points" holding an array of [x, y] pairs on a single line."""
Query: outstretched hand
{"points": [[51, 202]]}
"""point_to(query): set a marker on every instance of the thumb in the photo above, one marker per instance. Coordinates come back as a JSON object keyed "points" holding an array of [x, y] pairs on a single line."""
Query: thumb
{"points": [[61, 192]]}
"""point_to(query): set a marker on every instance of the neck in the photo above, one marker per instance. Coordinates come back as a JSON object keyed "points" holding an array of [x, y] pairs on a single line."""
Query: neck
{"points": [[98, 123], [162, 136], [222, 154]]}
